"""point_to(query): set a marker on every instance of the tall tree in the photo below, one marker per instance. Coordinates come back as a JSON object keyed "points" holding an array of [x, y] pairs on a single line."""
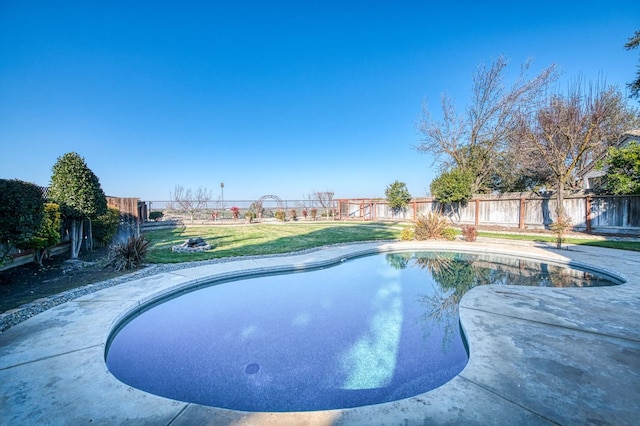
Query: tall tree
{"points": [[474, 142], [570, 130], [78, 192], [634, 86], [398, 196]]}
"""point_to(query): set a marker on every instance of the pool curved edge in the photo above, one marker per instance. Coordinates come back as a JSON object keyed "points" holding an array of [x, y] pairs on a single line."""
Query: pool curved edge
{"points": [[520, 370], [352, 251]]}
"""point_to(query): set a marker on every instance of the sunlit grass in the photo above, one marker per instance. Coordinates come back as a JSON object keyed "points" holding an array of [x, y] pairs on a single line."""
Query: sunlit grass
{"points": [[274, 238], [620, 245], [260, 239]]}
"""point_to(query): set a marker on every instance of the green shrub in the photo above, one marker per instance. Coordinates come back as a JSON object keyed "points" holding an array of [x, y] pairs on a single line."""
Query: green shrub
{"points": [[280, 215], [249, 216], [155, 215], [449, 234], [431, 226], [407, 234], [454, 186], [48, 235], [21, 213], [130, 254], [105, 226]]}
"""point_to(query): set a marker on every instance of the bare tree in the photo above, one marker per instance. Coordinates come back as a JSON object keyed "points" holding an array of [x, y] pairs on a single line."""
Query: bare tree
{"points": [[322, 200], [476, 140], [202, 197], [570, 130], [190, 202]]}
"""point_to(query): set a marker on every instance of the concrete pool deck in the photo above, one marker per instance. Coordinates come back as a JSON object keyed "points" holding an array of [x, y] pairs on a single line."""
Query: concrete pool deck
{"points": [[537, 355]]}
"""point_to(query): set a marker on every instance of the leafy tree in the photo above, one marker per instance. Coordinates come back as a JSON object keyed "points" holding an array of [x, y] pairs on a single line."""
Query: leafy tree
{"points": [[623, 173], [21, 213], [398, 196], [634, 86], [48, 234], [570, 130], [455, 186], [476, 142], [78, 192]]}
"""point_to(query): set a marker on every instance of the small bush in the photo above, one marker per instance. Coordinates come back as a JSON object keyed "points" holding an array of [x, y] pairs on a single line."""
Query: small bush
{"points": [[292, 214], [407, 234], [560, 228], [130, 254], [431, 226], [449, 234], [47, 236], [105, 226], [235, 211], [280, 215], [155, 215], [469, 233], [314, 213]]}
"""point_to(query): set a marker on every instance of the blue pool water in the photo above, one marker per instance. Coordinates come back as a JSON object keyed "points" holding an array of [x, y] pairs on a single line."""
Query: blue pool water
{"points": [[370, 330]]}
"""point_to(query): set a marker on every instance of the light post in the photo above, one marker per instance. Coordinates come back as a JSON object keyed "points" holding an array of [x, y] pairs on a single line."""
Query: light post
{"points": [[222, 197]]}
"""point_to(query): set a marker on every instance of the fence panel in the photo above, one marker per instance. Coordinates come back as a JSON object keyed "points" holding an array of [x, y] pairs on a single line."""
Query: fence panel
{"points": [[615, 212], [608, 214]]}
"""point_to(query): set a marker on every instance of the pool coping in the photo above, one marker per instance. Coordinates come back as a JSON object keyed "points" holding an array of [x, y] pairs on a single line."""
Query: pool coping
{"points": [[538, 355]]}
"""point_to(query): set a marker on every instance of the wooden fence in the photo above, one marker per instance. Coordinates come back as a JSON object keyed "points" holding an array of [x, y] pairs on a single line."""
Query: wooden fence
{"points": [[131, 212], [590, 213]]}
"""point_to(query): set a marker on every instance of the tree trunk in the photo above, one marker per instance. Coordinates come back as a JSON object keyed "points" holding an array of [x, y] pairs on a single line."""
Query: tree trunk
{"points": [[560, 198], [90, 238], [560, 219], [76, 237]]}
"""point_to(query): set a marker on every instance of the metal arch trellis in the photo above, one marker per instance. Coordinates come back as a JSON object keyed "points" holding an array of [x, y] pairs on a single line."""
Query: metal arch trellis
{"points": [[259, 201]]}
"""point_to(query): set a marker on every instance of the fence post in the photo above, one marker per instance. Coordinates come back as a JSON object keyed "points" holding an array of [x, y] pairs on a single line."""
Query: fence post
{"points": [[477, 220], [521, 213], [587, 218]]}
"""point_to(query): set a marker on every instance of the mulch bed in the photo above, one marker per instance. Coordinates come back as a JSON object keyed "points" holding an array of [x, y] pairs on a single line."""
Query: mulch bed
{"points": [[29, 282]]}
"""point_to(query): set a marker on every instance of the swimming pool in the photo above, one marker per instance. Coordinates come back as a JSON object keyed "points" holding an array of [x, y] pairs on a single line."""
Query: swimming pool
{"points": [[371, 330]]}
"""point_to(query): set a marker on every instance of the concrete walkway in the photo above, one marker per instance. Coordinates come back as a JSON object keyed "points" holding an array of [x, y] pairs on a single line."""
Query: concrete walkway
{"points": [[537, 355]]}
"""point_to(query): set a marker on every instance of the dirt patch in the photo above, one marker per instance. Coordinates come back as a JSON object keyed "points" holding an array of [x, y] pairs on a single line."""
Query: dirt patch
{"points": [[27, 283]]}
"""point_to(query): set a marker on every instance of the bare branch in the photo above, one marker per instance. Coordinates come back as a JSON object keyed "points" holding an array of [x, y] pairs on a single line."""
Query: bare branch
{"points": [[479, 140]]}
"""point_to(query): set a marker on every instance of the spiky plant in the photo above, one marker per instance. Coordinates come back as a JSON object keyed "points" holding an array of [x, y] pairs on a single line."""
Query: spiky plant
{"points": [[129, 254], [431, 225]]}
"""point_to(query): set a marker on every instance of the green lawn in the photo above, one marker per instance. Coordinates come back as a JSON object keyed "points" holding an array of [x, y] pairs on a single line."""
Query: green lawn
{"points": [[272, 238], [621, 245], [259, 239]]}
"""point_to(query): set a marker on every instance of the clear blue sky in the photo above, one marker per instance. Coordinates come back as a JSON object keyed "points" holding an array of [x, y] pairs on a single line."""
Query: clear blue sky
{"points": [[269, 97]]}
